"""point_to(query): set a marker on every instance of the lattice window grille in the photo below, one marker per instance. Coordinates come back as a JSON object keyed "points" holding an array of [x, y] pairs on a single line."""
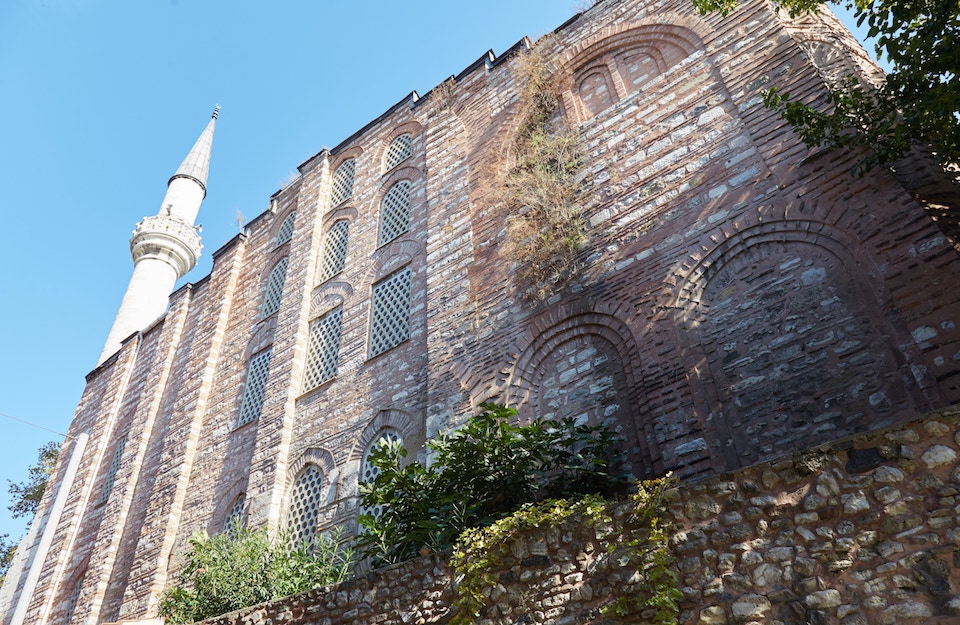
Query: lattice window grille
{"points": [[305, 503], [271, 301], [285, 233], [369, 472], [114, 467], [342, 183], [236, 515], [257, 372], [74, 599], [390, 312], [324, 349], [395, 212], [400, 150], [335, 250]]}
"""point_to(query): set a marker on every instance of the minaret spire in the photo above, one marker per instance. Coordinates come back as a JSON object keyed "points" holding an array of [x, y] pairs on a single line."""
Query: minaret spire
{"points": [[166, 246]]}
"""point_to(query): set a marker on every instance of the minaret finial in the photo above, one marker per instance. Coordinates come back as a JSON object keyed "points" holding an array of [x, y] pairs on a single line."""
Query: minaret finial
{"points": [[216, 111]]}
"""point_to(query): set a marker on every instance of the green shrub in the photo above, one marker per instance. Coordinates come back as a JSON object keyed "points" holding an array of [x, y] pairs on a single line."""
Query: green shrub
{"points": [[479, 474], [243, 567]]}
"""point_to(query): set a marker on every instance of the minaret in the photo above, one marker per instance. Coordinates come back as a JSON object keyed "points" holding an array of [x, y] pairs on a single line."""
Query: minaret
{"points": [[164, 247]]}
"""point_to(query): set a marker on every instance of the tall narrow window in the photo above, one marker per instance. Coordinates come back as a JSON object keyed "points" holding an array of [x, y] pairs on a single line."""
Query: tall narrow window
{"points": [[271, 300], [305, 502], [236, 517], [285, 233], [324, 349], [74, 598], [369, 472], [334, 250], [395, 212], [114, 467], [257, 372], [390, 312], [342, 183], [400, 150]]}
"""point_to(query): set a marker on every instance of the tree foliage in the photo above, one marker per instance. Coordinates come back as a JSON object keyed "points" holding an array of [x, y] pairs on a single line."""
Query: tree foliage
{"points": [[479, 474], [919, 101], [244, 567], [27, 495]]}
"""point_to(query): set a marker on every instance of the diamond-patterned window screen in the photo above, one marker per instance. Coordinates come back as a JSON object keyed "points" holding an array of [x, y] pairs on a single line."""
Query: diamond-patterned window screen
{"points": [[236, 516], [74, 598], [271, 301], [368, 472], [285, 233], [342, 183], [334, 250], [114, 467], [324, 349], [257, 372], [395, 212], [305, 502], [390, 312], [400, 150]]}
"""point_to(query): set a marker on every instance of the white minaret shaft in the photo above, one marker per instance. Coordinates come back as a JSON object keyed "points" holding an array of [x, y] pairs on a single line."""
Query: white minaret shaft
{"points": [[164, 247]]}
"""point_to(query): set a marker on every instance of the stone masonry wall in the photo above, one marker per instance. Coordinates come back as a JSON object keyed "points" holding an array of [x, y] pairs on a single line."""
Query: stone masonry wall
{"points": [[858, 532]]}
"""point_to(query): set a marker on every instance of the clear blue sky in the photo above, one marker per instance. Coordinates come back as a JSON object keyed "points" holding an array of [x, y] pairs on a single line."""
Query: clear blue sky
{"points": [[102, 99]]}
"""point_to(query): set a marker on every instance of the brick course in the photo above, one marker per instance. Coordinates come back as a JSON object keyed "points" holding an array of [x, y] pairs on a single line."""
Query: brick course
{"points": [[741, 297]]}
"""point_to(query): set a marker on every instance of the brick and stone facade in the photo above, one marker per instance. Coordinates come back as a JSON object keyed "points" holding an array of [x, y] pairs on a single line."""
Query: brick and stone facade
{"points": [[741, 298]]}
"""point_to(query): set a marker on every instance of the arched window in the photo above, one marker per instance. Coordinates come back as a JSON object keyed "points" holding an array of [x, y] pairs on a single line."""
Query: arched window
{"points": [[395, 212], [285, 233], [111, 475], [400, 150], [305, 502], [369, 472], [324, 349], [334, 250], [236, 516], [342, 183], [595, 92], [390, 312], [257, 372], [639, 66], [74, 598], [271, 300]]}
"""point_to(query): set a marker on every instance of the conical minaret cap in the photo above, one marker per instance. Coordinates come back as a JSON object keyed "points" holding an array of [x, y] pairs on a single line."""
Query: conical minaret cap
{"points": [[197, 163]]}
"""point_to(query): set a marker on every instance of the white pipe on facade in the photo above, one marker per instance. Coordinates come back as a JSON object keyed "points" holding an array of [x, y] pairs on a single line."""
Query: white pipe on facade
{"points": [[49, 529]]}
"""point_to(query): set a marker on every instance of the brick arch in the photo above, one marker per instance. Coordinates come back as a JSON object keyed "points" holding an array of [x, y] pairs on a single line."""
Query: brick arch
{"points": [[224, 503], [328, 296], [790, 343], [389, 418], [411, 431], [323, 459], [586, 365]]}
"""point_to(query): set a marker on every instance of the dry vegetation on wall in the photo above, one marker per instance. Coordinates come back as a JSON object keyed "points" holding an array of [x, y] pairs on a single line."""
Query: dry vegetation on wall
{"points": [[540, 183]]}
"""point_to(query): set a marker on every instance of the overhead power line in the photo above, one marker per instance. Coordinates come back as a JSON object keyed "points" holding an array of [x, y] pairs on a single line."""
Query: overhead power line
{"points": [[36, 425]]}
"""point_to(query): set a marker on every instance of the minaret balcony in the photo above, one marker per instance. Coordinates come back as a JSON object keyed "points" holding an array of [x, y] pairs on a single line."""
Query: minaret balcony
{"points": [[167, 238]]}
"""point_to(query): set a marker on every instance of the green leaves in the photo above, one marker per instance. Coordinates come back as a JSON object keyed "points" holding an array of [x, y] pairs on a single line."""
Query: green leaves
{"points": [[919, 101], [479, 474], [26, 496], [243, 567]]}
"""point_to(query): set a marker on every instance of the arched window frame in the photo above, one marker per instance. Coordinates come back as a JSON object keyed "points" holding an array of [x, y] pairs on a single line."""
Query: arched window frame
{"points": [[395, 211], [255, 386], [273, 294], [342, 184], [335, 250], [285, 231], [399, 150]]}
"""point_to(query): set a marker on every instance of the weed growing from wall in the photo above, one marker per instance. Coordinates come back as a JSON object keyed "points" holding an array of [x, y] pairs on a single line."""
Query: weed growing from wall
{"points": [[641, 546], [540, 183]]}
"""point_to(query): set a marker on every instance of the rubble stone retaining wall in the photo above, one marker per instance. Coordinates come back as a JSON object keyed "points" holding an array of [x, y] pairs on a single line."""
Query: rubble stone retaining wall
{"points": [[860, 531]]}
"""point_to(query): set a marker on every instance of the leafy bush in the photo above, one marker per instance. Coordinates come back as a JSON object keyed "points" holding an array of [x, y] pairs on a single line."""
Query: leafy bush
{"points": [[480, 473], [244, 567]]}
